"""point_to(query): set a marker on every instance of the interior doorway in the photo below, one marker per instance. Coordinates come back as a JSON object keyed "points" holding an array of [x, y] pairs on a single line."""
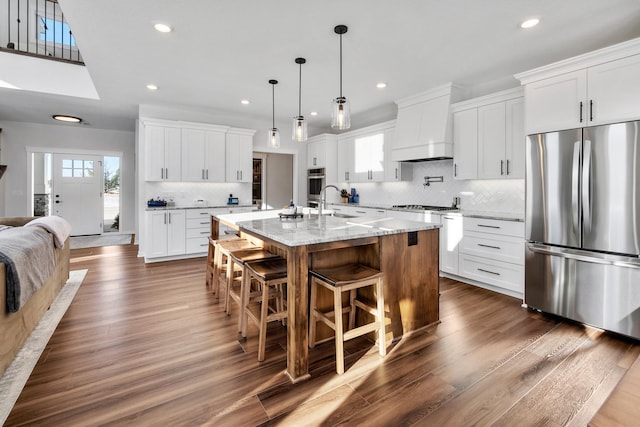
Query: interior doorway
{"points": [[276, 179]]}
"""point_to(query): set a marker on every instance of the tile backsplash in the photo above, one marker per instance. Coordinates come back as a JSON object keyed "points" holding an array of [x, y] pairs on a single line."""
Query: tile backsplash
{"points": [[186, 193], [490, 195]]}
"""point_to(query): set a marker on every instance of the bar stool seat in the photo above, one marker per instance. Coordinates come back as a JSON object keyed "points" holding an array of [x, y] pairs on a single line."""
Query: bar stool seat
{"points": [[347, 278], [271, 274], [222, 249], [211, 257]]}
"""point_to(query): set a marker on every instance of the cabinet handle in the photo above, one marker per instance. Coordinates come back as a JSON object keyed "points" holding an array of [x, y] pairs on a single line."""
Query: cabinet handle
{"points": [[489, 226], [203, 174], [240, 175], [396, 173], [204, 213], [507, 166], [204, 223], [207, 173], [169, 217], [206, 244], [580, 111], [591, 110], [501, 167], [487, 271], [455, 169], [362, 212], [204, 232], [166, 173], [161, 173], [489, 246], [165, 217]]}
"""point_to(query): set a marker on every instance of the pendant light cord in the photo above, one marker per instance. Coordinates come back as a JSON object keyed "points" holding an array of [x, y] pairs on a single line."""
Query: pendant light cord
{"points": [[300, 92], [273, 106], [340, 65]]}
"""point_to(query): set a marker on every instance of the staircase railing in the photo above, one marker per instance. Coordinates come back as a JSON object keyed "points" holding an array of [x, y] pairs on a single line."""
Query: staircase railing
{"points": [[37, 27]]}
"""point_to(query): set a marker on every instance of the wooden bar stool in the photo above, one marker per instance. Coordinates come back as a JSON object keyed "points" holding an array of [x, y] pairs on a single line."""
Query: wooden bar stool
{"points": [[271, 274], [222, 248], [211, 257], [347, 278], [233, 288]]}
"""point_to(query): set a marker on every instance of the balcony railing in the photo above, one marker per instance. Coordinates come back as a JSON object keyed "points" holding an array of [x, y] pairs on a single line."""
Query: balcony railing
{"points": [[37, 27]]}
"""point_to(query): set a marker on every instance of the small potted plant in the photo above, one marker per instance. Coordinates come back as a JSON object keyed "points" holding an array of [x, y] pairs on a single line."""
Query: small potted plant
{"points": [[344, 195]]}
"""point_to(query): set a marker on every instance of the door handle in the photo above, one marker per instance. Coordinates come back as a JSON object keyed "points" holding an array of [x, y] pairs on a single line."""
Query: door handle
{"points": [[586, 186], [575, 185]]}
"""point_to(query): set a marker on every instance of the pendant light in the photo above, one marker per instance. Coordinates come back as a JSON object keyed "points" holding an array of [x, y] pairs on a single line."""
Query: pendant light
{"points": [[340, 116], [274, 133], [299, 123]]}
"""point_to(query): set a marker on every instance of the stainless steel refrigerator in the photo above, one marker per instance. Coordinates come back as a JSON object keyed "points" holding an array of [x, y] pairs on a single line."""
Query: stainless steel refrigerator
{"points": [[583, 225]]}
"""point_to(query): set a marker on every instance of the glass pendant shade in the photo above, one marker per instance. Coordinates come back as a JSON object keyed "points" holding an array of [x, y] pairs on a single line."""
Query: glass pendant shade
{"points": [[299, 132], [274, 138], [340, 114]]}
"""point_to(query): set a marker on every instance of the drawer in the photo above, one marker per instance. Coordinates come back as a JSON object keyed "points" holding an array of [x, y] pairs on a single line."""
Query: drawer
{"points": [[197, 245], [202, 213], [502, 274], [204, 222], [494, 246], [198, 232], [494, 226]]}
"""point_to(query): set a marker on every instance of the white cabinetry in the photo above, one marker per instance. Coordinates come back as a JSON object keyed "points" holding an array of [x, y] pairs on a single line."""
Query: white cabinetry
{"points": [[345, 161], [165, 233], [492, 252], [489, 136], [450, 237], [321, 153], [162, 153], [394, 171], [203, 155], [316, 154], [592, 89], [239, 152], [198, 229]]}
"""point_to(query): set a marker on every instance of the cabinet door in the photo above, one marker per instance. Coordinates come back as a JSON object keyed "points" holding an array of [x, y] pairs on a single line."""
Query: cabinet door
{"points": [[154, 152], [345, 160], [491, 141], [156, 241], [514, 150], [193, 155], [465, 144], [614, 91], [214, 155], [239, 152], [316, 157], [176, 232], [368, 154], [556, 103], [450, 238], [172, 154], [408, 126]]}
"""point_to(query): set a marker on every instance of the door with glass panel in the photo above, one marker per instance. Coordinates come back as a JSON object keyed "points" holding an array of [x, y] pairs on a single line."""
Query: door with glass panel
{"points": [[77, 191]]}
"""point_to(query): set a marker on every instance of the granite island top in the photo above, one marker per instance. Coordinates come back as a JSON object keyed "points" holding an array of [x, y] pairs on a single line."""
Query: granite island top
{"points": [[314, 229]]}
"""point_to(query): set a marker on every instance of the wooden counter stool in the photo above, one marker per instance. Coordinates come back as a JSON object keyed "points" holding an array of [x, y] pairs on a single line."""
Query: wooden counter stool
{"points": [[233, 288], [211, 257], [222, 248], [347, 278], [271, 274]]}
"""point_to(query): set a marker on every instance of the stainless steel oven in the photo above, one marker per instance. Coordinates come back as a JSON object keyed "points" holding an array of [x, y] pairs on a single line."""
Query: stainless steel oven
{"points": [[315, 182]]}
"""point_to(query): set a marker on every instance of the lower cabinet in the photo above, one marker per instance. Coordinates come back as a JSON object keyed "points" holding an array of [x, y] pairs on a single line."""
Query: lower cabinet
{"points": [[165, 233], [450, 236]]}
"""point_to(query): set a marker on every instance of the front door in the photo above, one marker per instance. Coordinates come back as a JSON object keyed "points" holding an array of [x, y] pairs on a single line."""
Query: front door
{"points": [[78, 181]]}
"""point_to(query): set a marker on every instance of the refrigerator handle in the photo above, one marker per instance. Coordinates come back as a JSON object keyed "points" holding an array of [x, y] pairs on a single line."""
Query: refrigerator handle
{"points": [[586, 187], [575, 185]]}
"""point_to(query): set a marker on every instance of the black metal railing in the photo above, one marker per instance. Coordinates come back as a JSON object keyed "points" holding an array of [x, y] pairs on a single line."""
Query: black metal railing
{"points": [[37, 27]]}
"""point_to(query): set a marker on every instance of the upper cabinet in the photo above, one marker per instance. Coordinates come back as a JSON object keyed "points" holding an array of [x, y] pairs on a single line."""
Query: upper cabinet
{"points": [[162, 153], [489, 136], [592, 89], [423, 127], [239, 155], [321, 153], [203, 155]]}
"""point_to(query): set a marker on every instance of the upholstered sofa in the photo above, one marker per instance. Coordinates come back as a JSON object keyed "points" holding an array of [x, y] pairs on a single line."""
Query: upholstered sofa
{"points": [[16, 327]]}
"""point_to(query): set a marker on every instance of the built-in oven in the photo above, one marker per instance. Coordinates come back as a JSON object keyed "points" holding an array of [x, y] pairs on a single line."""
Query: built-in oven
{"points": [[315, 183]]}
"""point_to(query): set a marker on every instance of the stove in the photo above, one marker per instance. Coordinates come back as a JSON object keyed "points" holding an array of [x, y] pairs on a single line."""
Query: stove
{"points": [[423, 208]]}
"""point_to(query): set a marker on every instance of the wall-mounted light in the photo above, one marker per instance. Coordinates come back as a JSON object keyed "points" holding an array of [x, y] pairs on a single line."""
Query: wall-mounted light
{"points": [[340, 117], [299, 133], [274, 133]]}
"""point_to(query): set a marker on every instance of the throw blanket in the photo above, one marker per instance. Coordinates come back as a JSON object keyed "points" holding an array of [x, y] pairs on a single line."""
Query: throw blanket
{"points": [[56, 225], [30, 259]]}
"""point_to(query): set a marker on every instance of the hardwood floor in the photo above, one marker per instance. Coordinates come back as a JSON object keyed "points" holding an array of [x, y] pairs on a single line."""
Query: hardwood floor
{"points": [[149, 345]]}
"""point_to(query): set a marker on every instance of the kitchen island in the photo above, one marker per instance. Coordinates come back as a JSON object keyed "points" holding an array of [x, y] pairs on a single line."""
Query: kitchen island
{"points": [[405, 251]]}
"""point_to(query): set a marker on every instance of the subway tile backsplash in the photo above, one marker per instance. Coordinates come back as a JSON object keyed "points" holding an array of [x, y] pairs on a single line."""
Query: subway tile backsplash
{"points": [[495, 195]]}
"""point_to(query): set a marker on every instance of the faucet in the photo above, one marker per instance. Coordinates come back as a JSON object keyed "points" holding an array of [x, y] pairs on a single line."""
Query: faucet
{"points": [[323, 198]]}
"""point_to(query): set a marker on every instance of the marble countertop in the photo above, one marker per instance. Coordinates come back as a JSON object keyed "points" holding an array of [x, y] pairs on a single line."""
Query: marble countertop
{"points": [[164, 208], [326, 228]]}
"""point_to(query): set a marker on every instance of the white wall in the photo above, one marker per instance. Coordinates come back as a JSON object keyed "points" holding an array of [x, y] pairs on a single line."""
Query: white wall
{"points": [[17, 136], [279, 172]]}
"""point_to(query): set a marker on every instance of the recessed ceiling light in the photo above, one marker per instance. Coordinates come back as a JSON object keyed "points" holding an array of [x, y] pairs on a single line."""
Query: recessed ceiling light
{"points": [[68, 119], [162, 28], [381, 85], [314, 113], [245, 102], [530, 23], [151, 86]]}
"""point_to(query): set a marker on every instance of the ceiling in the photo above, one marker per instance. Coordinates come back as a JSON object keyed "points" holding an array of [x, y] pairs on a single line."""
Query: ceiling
{"points": [[221, 52]]}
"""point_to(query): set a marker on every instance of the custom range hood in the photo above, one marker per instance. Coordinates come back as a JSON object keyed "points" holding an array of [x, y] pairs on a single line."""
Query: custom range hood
{"points": [[424, 126]]}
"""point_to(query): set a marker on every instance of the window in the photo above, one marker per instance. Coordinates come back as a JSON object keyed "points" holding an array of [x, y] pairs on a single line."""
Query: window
{"points": [[55, 31], [77, 168]]}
